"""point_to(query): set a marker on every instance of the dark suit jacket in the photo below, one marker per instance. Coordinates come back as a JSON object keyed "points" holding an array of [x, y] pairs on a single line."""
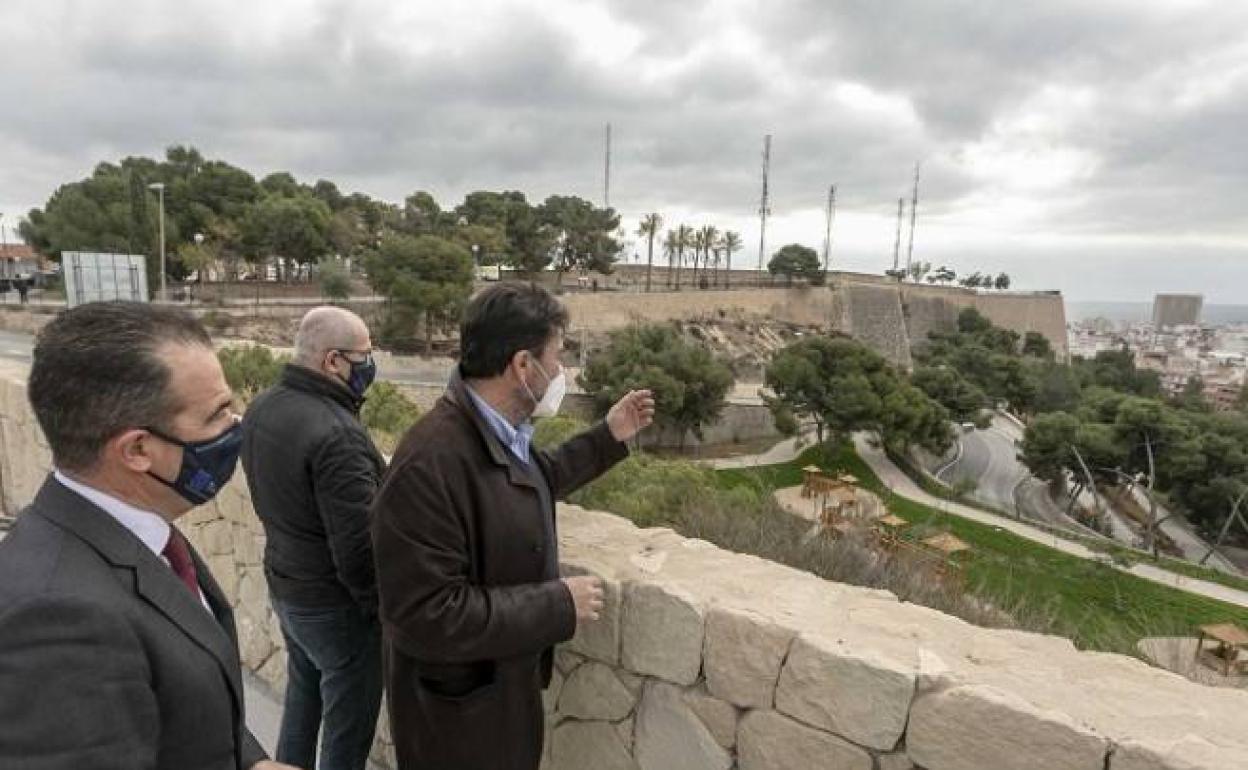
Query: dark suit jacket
{"points": [[470, 605], [106, 659]]}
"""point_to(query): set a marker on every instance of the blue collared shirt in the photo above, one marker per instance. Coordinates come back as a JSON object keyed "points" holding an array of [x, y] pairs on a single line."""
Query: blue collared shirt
{"points": [[517, 440]]}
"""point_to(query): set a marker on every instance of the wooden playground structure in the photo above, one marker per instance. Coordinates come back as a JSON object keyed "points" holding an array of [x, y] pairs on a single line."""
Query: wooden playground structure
{"points": [[841, 513]]}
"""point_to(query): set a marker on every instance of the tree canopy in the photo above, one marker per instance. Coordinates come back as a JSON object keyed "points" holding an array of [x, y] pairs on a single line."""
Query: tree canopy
{"points": [[842, 386], [280, 217], [690, 385], [796, 261]]}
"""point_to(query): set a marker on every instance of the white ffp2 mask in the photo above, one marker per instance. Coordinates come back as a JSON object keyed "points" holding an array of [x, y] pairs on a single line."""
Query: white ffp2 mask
{"points": [[552, 399]]}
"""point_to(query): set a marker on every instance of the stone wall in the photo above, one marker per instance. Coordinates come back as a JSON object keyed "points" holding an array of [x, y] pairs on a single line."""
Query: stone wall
{"points": [[875, 318], [708, 659]]}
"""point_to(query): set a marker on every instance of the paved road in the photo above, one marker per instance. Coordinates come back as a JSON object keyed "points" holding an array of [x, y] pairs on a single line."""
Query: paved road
{"points": [[986, 458], [782, 452], [989, 459], [1184, 535]]}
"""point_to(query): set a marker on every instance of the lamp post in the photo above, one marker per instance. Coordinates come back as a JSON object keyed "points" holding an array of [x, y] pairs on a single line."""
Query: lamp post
{"points": [[4, 265], [159, 187], [476, 255]]}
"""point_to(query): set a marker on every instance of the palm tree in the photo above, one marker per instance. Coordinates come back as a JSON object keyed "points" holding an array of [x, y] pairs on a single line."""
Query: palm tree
{"points": [[707, 235], [699, 246], [649, 228], [729, 243], [684, 240], [671, 248]]}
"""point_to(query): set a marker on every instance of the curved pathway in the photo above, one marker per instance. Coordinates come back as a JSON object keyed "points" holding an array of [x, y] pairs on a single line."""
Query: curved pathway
{"points": [[897, 481]]}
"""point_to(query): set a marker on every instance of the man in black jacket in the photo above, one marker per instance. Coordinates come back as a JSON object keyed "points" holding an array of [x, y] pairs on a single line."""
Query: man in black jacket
{"points": [[313, 472]]}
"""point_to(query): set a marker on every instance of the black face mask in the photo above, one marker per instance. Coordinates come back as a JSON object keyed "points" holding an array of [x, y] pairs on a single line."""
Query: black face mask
{"points": [[362, 374], [207, 466]]}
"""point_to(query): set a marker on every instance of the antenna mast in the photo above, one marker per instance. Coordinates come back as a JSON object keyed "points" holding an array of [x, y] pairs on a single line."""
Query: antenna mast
{"points": [[827, 238], [764, 209], [914, 208], [901, 207], [606, 177]]}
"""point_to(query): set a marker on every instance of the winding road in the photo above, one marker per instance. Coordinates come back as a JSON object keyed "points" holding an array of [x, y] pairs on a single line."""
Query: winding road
{"points": [[989, 459]]}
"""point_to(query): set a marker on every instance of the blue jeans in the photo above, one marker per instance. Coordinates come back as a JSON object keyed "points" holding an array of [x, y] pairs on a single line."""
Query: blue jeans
{"points": [[333, 676]]}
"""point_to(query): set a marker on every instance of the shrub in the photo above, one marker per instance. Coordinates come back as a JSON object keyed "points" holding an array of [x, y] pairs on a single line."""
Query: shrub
{"points": [[216, 321], [388, 410], [334, 279], [250, 369], [553, 431]]}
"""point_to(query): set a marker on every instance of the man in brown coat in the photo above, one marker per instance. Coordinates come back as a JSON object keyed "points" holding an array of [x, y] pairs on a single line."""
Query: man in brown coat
{"points": [[464, 537]]}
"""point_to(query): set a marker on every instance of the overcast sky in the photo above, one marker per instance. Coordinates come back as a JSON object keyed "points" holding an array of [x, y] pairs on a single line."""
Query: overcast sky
{"points": [[1099, 148]]}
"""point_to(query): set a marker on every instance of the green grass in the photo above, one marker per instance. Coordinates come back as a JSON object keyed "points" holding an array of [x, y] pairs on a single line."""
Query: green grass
{"points": [[1095, 605], [1119, 553]]}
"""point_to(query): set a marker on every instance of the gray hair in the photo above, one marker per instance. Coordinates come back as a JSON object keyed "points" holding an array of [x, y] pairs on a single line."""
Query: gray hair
{"points": [[324, 329], [97, 371]]}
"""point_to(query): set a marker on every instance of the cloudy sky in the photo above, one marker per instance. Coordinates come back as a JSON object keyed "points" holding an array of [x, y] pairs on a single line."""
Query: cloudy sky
{"points": [[1099, 148]]}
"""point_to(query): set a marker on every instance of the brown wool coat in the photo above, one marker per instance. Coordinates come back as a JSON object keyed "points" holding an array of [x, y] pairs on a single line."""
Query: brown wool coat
{"points": [[462, 539]]}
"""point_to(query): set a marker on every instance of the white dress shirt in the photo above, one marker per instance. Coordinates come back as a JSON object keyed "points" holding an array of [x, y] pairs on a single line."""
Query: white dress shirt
{"points": [[150, 528]]}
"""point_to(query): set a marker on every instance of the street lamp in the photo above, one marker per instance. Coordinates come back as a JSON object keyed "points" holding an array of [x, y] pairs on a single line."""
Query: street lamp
{"points": [[476, 255], [202, 263], [159, 187]]}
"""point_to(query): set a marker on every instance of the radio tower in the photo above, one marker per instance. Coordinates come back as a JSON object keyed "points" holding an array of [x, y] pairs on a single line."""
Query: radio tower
{"points": [[827, 238], [901, 208], [914, 208], [606, 176], [764, 209]]}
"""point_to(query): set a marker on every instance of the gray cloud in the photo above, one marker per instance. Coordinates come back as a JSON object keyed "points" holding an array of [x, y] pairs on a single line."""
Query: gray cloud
{"points": [[1144, 102]]}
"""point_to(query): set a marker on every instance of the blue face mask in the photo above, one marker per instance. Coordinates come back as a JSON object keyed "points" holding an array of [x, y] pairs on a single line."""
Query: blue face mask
{"points": [[206, 465], [362, 374]]}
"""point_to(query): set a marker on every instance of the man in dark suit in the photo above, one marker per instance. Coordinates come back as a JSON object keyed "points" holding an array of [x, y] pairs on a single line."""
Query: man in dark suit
{"points": [[464, 536], [117, 647]]}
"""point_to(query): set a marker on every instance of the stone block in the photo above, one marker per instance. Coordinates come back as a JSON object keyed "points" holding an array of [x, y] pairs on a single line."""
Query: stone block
{"points": [[600, 639], [662, 633], [273, 673], [215, 538], [253, 593], [670, 735], [1187, 753], [769, 741], [550, 696], [975, 726], [248, 546], [744, 653], [719, 717], [593, 691], [626, 729], [583, 745], [226, 574], [856, 694], [566, 660], [254, 645], [894, 762]]}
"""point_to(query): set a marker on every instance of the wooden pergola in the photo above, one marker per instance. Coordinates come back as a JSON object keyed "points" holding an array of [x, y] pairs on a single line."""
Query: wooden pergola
{"points": [[949, 548], [1231, 640]]}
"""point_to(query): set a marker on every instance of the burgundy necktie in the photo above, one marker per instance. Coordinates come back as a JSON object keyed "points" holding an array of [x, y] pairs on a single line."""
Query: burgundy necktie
{"points": [[179, 555]]}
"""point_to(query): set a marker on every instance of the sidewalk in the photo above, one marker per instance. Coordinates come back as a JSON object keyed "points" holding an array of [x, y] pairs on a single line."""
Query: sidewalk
{"points": [[785, 451], [897, 481]]}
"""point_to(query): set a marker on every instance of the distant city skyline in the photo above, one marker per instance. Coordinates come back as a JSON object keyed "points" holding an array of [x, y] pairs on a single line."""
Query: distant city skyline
{"points": [[1091, 148]]}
